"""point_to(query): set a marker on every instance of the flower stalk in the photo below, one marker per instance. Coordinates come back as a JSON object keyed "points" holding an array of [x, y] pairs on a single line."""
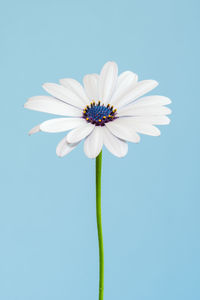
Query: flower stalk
{"points": [[99, 225]]}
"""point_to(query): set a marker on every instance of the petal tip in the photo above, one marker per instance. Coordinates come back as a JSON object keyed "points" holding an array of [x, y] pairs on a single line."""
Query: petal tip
{"points": [[59, 152], [168, 121], [46, 85], [169, 111], [156, 83], [34, 130], [158, 133], [59, 155], [169, 100]]}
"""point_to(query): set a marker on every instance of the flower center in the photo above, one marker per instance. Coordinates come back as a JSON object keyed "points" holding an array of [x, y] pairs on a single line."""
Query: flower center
{"points": [[99, 114]]}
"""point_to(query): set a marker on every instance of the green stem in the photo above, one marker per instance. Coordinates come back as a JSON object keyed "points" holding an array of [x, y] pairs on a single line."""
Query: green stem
{"points": [[99, 224]]}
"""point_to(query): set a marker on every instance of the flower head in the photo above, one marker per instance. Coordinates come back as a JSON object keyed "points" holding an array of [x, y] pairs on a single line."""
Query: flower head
{"points": [[107, 110]]}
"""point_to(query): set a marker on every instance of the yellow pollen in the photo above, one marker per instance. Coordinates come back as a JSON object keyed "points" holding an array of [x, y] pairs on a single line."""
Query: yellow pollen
{"points": [[99, 120], [114, 110], [87, 119], [109, 116], [104, 117], [84, 112]]}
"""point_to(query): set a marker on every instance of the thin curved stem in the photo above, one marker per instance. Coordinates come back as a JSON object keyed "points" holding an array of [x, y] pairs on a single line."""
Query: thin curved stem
{"points": [[99, 224]]}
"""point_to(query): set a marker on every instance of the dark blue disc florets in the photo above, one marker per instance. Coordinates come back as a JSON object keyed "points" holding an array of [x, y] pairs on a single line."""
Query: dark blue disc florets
{"points": [[99, 114]]}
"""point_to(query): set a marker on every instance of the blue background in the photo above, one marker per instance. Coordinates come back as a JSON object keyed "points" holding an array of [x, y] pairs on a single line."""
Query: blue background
{"points": [[150, 198]]}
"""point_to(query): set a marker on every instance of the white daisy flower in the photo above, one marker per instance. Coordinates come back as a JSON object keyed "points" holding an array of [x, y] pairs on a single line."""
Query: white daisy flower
{"points": [[107, 110]]}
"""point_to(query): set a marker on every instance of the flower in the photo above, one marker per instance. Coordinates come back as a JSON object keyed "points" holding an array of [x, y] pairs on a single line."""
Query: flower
{"points": [[107, 110]]}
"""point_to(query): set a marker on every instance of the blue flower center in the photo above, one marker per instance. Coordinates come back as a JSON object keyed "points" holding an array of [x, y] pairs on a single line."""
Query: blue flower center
{"points": [[99, 114]]}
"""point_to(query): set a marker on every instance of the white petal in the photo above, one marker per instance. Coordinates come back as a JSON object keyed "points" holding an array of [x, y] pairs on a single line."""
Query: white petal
{"points": [[94, 142], [75, 87], [120, 128], [90, 82], [154, 120], [107, 81], [140, 127], [126, 82], [116, 146], [34, 130], [141, 88], [80, 133], [61, 124], [64, 94], [64, 147], [52, 106], [152, 100], [127, 76], [132, 110], [146, 129]]}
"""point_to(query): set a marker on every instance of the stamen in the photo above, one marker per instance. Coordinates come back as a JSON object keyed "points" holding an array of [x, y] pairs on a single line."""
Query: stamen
{"points": [[99, 114]]}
